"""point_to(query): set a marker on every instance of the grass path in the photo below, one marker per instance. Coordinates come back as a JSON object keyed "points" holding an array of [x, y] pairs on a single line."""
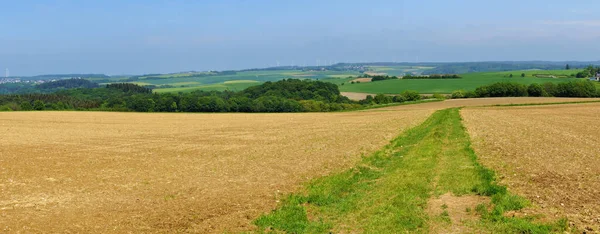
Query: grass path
{"points": [[392, 191]]}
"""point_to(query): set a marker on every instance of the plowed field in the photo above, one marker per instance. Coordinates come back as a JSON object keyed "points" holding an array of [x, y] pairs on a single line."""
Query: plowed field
{"points": [[148, 172], [550, 154]]}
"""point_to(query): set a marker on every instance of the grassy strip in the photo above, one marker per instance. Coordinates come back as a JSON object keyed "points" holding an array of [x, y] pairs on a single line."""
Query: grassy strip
{"points": [[388, 191]]}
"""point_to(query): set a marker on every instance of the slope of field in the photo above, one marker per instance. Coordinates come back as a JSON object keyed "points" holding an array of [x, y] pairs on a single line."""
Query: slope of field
{"points": [[549, 154], [221, 82], [149, 172], [119, 172], [234, 85], [399, 70], [468, 82]]}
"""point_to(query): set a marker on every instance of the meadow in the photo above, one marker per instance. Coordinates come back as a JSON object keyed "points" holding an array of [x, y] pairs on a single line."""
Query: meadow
{"points": [[209, 81], [239, 81], [468, 82], [98, 172]]}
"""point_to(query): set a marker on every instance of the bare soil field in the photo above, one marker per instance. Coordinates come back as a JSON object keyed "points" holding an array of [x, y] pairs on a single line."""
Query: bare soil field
{"points": [[362, 80], [472, 102], [97, 172], [121, 172], [549, 154], [356, 96]]}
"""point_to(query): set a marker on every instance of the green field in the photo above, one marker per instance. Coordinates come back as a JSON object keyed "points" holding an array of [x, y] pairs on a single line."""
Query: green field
{"points": [[209, 81], [237, 85], [187, 82], [468, 82], [399, 70]]}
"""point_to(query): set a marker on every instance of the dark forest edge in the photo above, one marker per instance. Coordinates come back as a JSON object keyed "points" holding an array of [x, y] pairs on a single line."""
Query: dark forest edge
{"points": [[290, 95]]}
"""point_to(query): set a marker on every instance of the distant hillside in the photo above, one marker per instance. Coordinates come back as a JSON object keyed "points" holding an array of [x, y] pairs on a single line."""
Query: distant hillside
{"points": [[65, 76], [471, 67]]}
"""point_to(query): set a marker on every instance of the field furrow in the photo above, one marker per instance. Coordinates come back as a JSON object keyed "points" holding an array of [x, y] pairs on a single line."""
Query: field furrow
{"points": [[547, 153]]}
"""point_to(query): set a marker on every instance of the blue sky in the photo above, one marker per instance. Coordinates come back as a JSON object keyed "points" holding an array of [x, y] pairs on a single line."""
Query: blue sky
{"points": [[152, 36]]}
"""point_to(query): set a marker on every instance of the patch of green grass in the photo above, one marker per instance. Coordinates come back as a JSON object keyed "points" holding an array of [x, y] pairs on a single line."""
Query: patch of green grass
{"points": [[388, 191], [233, 86], [469, 81]]}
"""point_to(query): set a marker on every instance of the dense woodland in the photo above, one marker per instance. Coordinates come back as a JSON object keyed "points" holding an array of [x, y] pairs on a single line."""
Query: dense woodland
{"points": [[48, 87], [282, 96]]}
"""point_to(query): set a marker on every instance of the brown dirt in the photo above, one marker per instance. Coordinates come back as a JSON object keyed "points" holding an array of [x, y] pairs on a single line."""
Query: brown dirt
{"points": [[363, 80], [549, 154], [486, 102], [139, 172], [376, 73], [93, 172], [460, 210], [356, 96]]}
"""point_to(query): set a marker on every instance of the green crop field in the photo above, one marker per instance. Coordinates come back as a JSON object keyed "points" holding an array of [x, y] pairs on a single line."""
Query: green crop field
{"points": [[468, 82], [399, 70], [187, 82], [236, 85]]}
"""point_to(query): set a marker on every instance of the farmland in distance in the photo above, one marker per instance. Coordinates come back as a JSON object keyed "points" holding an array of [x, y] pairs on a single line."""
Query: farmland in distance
{"points": [[468, 82]]}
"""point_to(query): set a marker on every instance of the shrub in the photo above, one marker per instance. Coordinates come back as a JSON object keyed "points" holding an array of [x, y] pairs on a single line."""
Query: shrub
{"points": [[5, 108], [314, 106], [410, 95], [367, 101], [38, 105], [536, 90], [576, 89], [438, 96], [399, 98], [26, 106], [471, 94], [549, 88], [458, 94], [382, 99], [502, 89]]}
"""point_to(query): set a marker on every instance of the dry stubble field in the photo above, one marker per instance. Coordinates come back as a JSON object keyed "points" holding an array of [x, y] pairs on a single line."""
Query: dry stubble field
{"points": [[140, 172], [550, 154]]}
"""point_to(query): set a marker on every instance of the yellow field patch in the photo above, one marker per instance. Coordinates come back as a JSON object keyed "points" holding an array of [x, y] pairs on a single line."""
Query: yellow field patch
{"points": [[240, 81]]}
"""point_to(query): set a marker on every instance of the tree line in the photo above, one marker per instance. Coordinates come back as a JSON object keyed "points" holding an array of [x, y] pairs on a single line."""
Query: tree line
{"points": [[578, 88], [290, 95], [433, 76]]}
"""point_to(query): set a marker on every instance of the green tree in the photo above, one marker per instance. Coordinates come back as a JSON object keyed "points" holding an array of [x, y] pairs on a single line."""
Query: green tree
{"points": [[536, 90], [410, 95], [458, 94], [26, 106], [568, 67], [510, 76], [522, 74], [38, 105]]}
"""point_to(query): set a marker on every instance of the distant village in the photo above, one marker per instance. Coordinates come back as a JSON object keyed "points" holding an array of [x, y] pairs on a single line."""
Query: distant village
{"points": [[18, 80], [14, 80]]}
